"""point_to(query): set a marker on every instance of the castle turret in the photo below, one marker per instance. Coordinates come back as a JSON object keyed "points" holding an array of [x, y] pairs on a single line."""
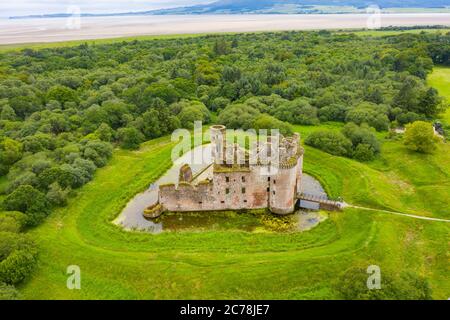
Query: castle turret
{"points": [[218, 143], [286, 182]]}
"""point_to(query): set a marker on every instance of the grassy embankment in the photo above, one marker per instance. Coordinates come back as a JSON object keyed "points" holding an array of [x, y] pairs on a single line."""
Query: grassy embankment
{"points": [[237, 264]]}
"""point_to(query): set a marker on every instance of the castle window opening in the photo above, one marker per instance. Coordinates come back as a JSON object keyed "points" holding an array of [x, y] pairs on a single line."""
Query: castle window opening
{"points": [[268, 179], [227, 179], [274, 181], [243, 179], [227, 191], [243, 190], [268, 189], [274, 192]]}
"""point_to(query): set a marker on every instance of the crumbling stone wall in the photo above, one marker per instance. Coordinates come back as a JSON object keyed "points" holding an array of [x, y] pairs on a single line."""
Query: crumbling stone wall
{"points": [[236, 187]]}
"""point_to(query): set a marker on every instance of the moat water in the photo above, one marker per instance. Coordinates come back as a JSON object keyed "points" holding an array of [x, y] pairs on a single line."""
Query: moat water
{"points": [[131, 217]]}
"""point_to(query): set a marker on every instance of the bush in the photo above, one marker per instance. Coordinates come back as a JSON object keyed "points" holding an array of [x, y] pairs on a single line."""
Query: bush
{"points": [[130, 138], [17, 257], [56, 195], [238, 116], [352, 285], [363, 152], [17, 266], [8, 292], [364, 142], [30, 201], [409, 117], [61, 94], [219, 103], [331, 142], [99, 152], [369, 113], [265, 121], [419, 136], [333, 112], [79, 173], [298, 111], [12, 221]]}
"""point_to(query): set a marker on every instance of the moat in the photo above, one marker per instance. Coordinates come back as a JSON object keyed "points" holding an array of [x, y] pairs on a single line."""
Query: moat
{"points": [[131, 217]]}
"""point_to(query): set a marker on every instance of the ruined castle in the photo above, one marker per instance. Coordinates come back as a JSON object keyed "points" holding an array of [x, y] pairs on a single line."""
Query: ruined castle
{"points": [[242, 183]]}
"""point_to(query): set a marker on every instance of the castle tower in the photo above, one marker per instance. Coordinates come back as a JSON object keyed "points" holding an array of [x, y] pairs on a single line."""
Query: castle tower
{"points": [[218, 143], [285, 183]]}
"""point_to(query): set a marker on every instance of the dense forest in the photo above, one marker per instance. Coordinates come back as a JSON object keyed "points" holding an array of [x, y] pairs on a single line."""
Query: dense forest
{"points": [[63, 110]]}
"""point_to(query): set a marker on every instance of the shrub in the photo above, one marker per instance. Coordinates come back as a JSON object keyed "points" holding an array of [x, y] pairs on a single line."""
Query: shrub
{"points": [[30, 201], [266, 121], [363, 152], [333, 112], [99, 152], [17, 266], [369, 113], [56, 195], [8, 292], [17, 257], [409, 117], [352, 285], [12, 221], [364, 141], [331, 142], [130, 138], [298, 111], [419, 136], [238, 116]]}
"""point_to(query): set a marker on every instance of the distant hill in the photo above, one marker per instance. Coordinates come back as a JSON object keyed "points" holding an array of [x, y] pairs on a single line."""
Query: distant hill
{"points": [[298, 6], [276, 7]]}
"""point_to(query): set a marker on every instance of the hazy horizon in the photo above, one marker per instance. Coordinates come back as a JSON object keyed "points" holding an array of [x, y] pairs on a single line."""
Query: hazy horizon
{"points": [[39, 7]]}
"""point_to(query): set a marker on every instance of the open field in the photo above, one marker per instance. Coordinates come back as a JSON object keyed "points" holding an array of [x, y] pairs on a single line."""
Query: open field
{"points": [[57, 29], [236, 264], [440, 79]]}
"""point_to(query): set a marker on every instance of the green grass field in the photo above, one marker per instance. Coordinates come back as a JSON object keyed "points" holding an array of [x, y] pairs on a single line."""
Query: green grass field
{"points": [[236, 264], [440, 79]]}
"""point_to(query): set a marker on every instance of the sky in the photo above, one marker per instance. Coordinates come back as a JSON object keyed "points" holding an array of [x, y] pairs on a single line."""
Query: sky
{"points": [[27, 7]]}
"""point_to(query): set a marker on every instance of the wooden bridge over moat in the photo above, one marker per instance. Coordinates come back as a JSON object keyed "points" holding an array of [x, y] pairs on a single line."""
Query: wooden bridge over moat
{"points": [[315, 202]]}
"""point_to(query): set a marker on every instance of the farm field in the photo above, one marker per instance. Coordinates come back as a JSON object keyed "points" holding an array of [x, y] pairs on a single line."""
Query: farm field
{"points": [[236, 264]]}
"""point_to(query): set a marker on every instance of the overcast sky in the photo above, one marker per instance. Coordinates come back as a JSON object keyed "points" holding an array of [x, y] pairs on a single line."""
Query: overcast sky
{"points": [[26, 7]]}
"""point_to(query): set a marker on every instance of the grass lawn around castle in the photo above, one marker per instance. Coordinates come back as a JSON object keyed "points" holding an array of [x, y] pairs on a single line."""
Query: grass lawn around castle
{"points": [[116, 264], [440, 79]]}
